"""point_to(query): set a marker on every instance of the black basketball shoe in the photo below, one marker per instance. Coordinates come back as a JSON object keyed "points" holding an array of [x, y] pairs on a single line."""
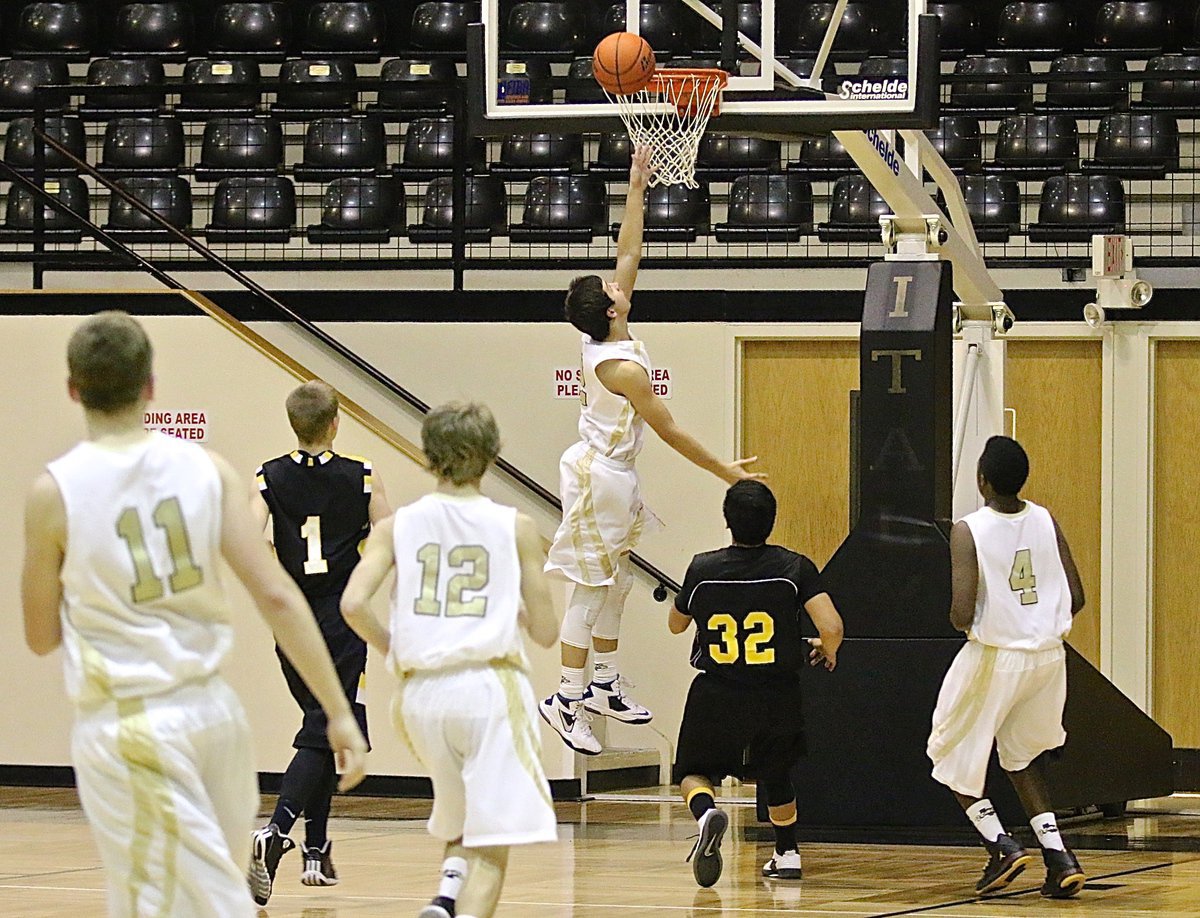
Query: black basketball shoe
{"points": [[706, 856], [1005, 862], [269, 845], [1064, 876]]}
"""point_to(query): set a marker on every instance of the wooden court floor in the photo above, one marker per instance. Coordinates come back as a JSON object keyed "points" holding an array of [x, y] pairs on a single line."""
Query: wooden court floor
{"points": [[623, 857]]}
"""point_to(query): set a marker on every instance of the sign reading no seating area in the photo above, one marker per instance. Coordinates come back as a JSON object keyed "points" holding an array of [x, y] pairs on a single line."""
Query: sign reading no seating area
{"points": [[569, 380]]}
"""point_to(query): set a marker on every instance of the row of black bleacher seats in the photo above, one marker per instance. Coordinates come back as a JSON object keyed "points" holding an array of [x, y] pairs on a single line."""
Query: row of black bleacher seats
{"points": [[370, 29], [1080, 83], [1132, 145], [562, 209]]}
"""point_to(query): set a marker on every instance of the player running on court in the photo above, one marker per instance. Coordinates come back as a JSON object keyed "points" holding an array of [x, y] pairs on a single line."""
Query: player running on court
{"points": [[1014, 592], [603, 514], [468, 578], [124, 537], [743, 710], [321, 505]]}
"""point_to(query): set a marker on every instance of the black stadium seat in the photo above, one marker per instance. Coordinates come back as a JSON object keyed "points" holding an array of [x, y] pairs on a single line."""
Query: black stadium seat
{"points": [[423, 86], [540, 26], [20, 82], [159, 29], [861, 31], [239, 146], [123, 72], [994, 204], [960, 28], [359, 209], [357, 30], [485, 214], [438, 25], [19, 144], [19, 216], [958, 140], [341, 146], [581, 82], [1135, 25], [307, 89], [1075, 207], [1171, 93], [674, 213], [1036, 146], [55, 30], [429, 150], [252, 209], [722, 157], [562, 209], [142, 145], [767, 208], [666, 26], [1040, 28], [1092, 94], [1139, 145], [854, 211], [988, 98], [252, 29], [239, 93], [168, 196], [824, 158], [528, 155], [614, 154]]}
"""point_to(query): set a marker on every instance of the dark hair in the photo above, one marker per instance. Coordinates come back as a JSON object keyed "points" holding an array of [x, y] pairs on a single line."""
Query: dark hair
{"points": [[109, 361], [586, 306], [1004, 465], [749, 511]]}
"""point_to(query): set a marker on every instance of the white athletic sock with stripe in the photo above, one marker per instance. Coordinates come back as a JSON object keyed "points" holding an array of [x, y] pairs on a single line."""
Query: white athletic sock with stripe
{"points": [[454, 874], [983, 816], [605, 667], [1045, 826], [570, 685]]}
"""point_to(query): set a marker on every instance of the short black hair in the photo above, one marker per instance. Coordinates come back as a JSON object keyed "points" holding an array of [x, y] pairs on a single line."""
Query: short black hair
{"points": [[1004, 465], [749, 511], [586, 306]]}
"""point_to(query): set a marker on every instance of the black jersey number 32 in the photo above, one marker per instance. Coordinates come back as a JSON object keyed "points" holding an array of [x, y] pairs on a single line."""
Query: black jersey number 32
{"points": [[754, 647]]}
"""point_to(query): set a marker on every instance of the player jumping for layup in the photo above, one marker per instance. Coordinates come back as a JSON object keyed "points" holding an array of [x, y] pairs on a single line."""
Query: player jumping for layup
{"points": [[603, 515], [743, 710], [468, 577], [321, 506], [1014, 592]]}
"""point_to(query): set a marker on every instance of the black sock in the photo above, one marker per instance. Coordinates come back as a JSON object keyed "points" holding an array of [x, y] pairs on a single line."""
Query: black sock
{"points": [[304, 777], [700, 802], [316, 814], [785, 837]]}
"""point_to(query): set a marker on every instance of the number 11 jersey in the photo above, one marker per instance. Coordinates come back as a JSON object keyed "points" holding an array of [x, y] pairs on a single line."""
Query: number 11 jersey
{"points": [[458, 584]]}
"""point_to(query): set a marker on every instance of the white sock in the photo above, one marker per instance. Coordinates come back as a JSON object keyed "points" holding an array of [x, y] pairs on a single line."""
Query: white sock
{"points": [[983, 816], [454, 874], [570, 685], [1045, 827], [605, 667]]}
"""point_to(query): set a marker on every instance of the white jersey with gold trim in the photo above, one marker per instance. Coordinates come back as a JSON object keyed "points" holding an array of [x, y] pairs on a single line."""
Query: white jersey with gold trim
{"points": [[458, 584], [607, 421], [143, 610], [1024, 600]]}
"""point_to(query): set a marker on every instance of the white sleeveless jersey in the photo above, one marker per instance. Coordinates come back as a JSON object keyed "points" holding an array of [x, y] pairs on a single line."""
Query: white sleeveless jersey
{"points": [[1024, 600], [607, 421], [458, 584], [143, 606]]}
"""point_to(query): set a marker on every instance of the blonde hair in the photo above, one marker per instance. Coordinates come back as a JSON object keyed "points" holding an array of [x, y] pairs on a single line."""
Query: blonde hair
{"points": [[311, 408], [109, 361], [460, 441]]}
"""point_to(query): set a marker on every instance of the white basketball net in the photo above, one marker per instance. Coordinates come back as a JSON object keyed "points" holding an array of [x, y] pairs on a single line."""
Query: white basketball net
{"points": [[669, 115]]}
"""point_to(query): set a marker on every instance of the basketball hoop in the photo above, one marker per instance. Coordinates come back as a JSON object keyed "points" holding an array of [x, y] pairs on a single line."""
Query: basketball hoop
{"points": [[669, 116]]}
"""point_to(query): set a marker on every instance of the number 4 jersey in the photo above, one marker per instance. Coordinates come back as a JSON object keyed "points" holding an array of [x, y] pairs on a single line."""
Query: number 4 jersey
{"points": [[458, 584], [143, 608], [746, 602], [1024, 601]]}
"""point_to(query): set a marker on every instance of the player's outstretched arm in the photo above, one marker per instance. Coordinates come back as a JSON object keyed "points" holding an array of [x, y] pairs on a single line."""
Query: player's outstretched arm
{"points": [[45, 546], [629, 379], [629, 239], [286, 611], [377, 560], [1069, 568], [537, 614], [824, 615], [964, 576]]}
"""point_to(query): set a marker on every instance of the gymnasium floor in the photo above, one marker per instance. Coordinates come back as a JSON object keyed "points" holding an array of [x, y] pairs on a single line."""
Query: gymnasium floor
{"points": [[622, 856]]}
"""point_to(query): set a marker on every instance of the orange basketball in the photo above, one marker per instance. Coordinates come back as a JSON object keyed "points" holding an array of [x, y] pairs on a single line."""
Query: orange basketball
{"points": [[623, 63]]}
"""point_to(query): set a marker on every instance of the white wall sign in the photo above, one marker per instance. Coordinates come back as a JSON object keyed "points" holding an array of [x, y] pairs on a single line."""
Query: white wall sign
{"points": [[186, 425], [567, 382]]}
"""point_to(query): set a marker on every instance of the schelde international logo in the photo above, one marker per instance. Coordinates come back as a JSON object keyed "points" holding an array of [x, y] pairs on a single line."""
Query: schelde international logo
{"points": [[894, 88]]}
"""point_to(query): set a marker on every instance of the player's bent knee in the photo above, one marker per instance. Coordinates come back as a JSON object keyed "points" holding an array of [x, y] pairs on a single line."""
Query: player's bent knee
{"points": [[583, 609]]}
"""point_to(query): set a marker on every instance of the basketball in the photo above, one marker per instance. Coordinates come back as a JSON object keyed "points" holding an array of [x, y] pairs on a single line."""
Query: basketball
{"points": [[623, 63]]}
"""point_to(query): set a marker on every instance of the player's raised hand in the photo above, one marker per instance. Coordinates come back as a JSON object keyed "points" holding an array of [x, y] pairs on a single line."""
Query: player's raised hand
{"points": [[736, 471], [640, 170], [819, 656], [349, 749]]}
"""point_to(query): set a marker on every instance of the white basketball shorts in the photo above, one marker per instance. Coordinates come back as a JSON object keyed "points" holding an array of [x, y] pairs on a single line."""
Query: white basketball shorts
{"points": [[472, 729], [169, 788], [1012, 698]]}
